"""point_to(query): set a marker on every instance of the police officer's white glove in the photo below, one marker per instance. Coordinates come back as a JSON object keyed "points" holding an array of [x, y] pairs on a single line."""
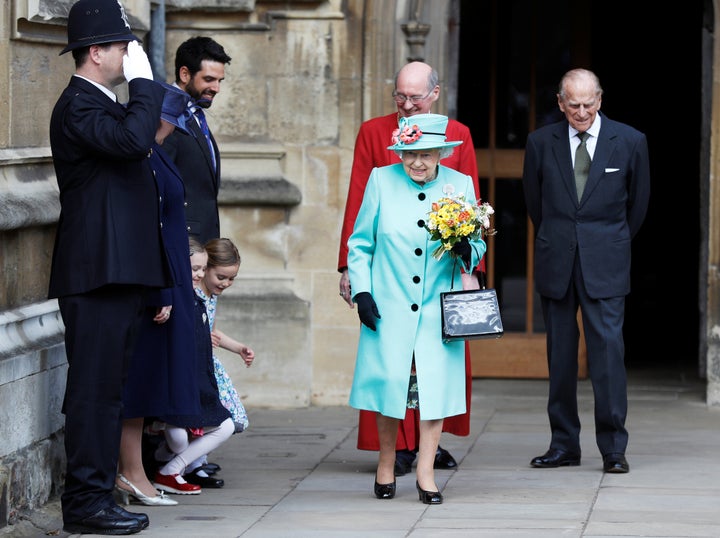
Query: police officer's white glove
{"points": [[136, 63]]}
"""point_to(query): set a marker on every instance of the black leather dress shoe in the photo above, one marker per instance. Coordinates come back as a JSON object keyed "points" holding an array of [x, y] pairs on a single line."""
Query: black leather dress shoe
{"points": [[142, 518], [444, 460], [403, 461], [556, 458], [401, 469], [105, 522], [203, 481], [615, 463]]}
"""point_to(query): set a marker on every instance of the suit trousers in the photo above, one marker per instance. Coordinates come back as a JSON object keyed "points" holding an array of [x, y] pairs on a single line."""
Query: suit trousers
{"points": [[603, 326], [100, 331]]}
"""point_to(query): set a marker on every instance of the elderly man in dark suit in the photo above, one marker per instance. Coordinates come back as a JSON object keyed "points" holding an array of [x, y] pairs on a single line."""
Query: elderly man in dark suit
{"points": [[587, 187], [199, 70], [108, 249]]}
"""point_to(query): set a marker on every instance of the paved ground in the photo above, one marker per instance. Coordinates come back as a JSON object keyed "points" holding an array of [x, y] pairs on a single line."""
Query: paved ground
{"points": [[297, 473]]}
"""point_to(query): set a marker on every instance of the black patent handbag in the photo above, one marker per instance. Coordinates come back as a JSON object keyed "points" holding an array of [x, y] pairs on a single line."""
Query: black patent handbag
{"points": [[470, 314]]}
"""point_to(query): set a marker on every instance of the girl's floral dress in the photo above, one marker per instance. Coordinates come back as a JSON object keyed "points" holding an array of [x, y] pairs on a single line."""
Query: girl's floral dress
{"points": [[228, 395]]}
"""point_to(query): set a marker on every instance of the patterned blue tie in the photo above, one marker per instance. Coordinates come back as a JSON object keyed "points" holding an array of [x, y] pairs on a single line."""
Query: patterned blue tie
{"points": [[206, 132]]}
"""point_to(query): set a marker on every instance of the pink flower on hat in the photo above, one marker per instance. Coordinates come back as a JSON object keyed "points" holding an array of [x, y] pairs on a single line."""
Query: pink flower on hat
{"points": [[407, 135]]}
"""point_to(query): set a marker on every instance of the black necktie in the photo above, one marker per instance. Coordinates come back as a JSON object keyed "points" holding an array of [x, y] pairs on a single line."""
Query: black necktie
{"points": [[582, 164], [206, 132]]}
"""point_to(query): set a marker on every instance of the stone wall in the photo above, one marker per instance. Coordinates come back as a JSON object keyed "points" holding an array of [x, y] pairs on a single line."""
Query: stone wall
{"points": [[284, 109], [296, 91], [304, 75], [32, 382]]}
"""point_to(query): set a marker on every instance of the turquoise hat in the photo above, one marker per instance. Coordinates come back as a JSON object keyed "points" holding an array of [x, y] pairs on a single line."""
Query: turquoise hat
{"points": [[421, 131]]}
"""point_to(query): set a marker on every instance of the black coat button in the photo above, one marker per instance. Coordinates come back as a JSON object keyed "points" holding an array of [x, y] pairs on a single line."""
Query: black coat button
{"points": [[414, 308], [418, 252], [421, 223], [421, 196], [416, 279]]}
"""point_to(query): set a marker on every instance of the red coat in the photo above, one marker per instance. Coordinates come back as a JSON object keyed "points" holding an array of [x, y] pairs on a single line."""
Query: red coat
{"points": [[371, 151]]}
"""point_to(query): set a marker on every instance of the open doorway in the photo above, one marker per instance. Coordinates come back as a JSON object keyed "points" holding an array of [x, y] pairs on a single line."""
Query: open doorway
{"points": [[511, 60]]}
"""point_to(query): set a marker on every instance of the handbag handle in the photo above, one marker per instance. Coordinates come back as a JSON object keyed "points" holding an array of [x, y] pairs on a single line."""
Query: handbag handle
{"points": [[481, 279], [481, 275]]}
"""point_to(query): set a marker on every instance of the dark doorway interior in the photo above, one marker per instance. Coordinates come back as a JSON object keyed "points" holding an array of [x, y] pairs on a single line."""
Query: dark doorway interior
{"points": [[636, 61], [651, 76]]}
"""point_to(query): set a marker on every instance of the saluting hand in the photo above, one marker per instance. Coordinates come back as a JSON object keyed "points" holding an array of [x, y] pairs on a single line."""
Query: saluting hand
{"points": [[136, 63]]}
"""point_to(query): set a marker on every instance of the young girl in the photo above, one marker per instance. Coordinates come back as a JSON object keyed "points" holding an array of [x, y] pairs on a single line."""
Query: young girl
{"points": [[222, 268], [223, 263], [189, 437]]}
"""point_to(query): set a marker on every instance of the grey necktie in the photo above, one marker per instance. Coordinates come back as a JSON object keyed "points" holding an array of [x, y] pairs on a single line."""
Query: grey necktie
{"points": [[582, 164]]}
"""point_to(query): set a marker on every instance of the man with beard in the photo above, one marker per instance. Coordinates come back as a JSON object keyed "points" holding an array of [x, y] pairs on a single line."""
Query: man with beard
{"points": [[199, 70]]}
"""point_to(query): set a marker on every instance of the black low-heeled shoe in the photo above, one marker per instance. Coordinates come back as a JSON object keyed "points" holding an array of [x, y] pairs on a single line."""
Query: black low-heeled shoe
{"points": [[429, 497], [385, 491], [203, 481]]}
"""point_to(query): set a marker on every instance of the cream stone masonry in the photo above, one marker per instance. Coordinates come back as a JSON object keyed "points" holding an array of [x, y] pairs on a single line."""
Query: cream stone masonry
{"points": [[28, 191], [44, 21], [304, 75]]}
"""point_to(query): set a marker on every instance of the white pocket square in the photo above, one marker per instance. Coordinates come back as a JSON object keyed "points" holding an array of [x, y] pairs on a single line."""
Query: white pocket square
{"points": [[608, 170]]}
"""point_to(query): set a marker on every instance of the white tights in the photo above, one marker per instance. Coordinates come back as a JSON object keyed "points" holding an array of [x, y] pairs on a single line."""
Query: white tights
{"points": [[186, 450]]}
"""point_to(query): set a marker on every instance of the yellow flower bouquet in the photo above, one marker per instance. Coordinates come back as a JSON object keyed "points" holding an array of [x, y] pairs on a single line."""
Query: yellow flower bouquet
{"points": [[452, 218]]}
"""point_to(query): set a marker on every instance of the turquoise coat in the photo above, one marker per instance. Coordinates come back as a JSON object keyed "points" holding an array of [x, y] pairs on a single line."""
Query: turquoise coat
{"points": [[390, 257]]}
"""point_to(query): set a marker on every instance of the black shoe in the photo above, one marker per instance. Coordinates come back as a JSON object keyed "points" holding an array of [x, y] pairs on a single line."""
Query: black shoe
{"points": [[210, 468], [142, 518], [444, 460], [429, 497], [403, 462], [107, 522], [203, 481], [615, 463], [385, 491], [556, 458]]}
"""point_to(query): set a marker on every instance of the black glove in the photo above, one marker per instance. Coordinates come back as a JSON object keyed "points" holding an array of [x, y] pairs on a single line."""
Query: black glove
{"points": [[367, 309], [462, 250]]}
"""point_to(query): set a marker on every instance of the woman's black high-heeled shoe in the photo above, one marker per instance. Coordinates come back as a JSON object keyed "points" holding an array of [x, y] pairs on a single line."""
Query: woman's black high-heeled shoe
{"points": [[385, 491], [429, 497]]}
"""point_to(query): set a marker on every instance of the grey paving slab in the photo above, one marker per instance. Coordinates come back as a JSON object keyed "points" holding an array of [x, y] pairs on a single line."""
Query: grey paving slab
{"points": [[651, 529], [298, 473], [657, 505], [480, 532]]}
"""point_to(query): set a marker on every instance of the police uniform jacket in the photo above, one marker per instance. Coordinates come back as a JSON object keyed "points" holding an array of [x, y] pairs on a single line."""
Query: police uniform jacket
{"points": [[109, 226]]}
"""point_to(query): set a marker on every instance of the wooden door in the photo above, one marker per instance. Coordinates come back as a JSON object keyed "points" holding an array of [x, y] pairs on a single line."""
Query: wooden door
{"points": [[507, 84], [521, 351]]}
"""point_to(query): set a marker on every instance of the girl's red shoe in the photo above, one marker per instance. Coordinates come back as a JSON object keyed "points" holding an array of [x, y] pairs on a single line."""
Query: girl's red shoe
{"points": [[174, 483]]}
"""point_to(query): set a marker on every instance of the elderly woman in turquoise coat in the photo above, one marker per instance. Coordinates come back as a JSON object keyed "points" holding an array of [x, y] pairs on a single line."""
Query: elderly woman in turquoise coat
{"points": [[402, 360]]}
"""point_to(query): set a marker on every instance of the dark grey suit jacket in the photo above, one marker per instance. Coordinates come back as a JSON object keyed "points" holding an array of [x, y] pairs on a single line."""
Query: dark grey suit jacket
{"points": [[193, 159], [599, 227]]}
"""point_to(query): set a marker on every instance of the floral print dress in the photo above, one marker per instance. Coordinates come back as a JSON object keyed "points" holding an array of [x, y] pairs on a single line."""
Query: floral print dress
{"points": [[228, 395]]}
